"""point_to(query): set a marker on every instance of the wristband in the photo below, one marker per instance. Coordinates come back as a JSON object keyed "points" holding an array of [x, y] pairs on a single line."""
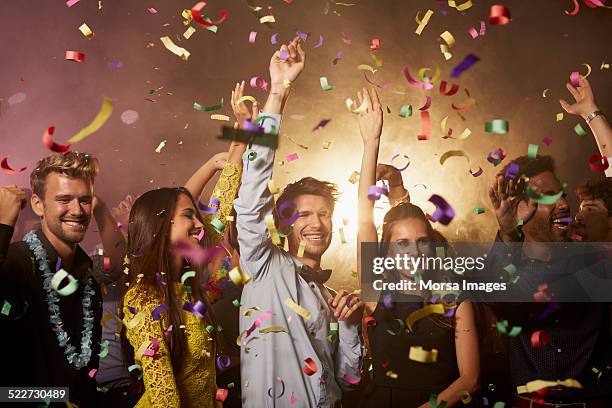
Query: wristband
{"points": [[592, 116]]}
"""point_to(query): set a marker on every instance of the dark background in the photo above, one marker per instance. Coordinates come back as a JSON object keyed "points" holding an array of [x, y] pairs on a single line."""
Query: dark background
{"points": [[537, 50]]}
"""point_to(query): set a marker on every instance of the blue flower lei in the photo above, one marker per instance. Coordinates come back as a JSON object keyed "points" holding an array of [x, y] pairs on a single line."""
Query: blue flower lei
{"points": [[77, 361]]}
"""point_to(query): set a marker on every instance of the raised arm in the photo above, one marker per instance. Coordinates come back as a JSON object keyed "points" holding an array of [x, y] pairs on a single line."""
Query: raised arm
{"points": [[255, 201], [370, 127], [12, 200], [586, 107], [202, 176]]}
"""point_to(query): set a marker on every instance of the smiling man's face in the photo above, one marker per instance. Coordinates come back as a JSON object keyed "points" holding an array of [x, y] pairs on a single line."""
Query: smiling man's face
{"points": [[313, 226]]}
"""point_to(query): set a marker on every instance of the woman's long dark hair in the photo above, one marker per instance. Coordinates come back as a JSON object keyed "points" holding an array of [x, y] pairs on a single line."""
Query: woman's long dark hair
{"points": [[150, 262]]}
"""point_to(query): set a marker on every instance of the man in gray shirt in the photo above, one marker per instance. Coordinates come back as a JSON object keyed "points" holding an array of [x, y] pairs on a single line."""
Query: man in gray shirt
{"points": [[311, 350]]}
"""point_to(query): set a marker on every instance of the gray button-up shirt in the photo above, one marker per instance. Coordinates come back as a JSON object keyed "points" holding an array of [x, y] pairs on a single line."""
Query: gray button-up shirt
{"points": [[272, 363]]}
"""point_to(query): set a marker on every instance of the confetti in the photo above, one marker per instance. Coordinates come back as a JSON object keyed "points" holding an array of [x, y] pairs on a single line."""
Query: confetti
{"points": [[417, 353], [375, 46], [427, 104], [269, 220], [597, 162], [320, 43], [198, 308], [71, 3], [104, 348], [502, 327], [479, 210], [8, 169], [537, 385], [129, 117], [310, 367], [461, 7], [197, 16], [84, 28], [539, 339], [352, 380], [267, 19], [365, 67], [453, 153], [465, 396], [450, 42], [189, 32], [499, 15], [575, 79], [69, 288], [559, 117], [258, 82], [175, 49], [252, 37], [422, 23], [159, 147], [414, 82], [375, 192], [543, 198], [579, 130], [467, 62], [298, 309], [444, 213], [6, 308], [346, 39], [354, 177], [405, 111], [473, 32], [532, 151], [400, 168], [450, 92], [425, 126], [16, 98], [75, 56], [273, 329], [221, 394], [105, 111], [575, 10], [291, 157], [498, 126], [402, 327], [152, 10], [223, 118], [477, 172], [496, 156], [325, 85], [301, 249]]}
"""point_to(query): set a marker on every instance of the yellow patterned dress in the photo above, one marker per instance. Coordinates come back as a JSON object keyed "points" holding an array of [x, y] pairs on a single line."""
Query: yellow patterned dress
{"points": [[195, 384]]}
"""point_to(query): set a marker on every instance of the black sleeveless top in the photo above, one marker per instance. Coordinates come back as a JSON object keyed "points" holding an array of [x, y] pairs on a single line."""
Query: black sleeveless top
{"points": [[415, 381]]}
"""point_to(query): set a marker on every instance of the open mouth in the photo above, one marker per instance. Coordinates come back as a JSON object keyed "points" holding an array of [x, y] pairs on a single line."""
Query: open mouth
{"points": [[561, 221], [314, 238], [77, 225]]}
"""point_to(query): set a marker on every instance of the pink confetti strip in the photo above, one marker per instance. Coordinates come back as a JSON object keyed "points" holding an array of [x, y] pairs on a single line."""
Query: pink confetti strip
{"points": [[575, 79], [152, 10], [291, 157], [346, 40], [253, 36], [414, 82], [375, 46], [259, 82], [264, 316], [473, 33], [71, 3], [92, 372], [483, 28], [425, 126]]}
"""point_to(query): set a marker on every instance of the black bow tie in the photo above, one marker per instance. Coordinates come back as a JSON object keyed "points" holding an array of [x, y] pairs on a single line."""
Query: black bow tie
{"points": [[314, 275]]}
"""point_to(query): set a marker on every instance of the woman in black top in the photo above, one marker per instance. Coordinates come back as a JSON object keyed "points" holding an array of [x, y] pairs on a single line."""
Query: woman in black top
{"points": [[400, 381]]}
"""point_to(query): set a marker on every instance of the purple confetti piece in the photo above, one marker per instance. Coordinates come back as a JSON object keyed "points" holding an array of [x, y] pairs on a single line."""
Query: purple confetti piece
{"points": [[338, 57], [115, 65], [284, 55], [496, 156], [293, 215], [552, 307], [58, 264], [387, 301], [158, 310], [467, 62], [321, 124], [444, 213], [224, 361], [198, 308], [512, 171], [273, 39], [450, 312], [375, 192], [435, 299], [303, 36], [320, 43], [249, 126]]}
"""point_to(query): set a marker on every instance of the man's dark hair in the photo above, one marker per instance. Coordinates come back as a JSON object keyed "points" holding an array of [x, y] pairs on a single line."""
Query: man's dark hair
{"points": [[597, 190], [310, 185], [529, 167]]}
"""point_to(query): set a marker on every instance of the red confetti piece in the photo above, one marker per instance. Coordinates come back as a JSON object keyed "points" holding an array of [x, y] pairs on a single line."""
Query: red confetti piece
{"points": [[221, 394], [375, 46], [450, 92], [427, 104], [107, 264], [575, 10], [75, 56], [346, 40], [197, 16], [597, 162], [8, 169], [539, 339], [310, 367], [499, 15], [425, 126], [369, 321], [547, 140], [47, 140]]}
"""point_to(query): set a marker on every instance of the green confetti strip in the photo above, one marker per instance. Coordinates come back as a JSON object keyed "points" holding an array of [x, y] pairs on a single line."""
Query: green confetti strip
{"points": [[532, 151], [479, 210], [579, 130], [405, 111], [498, 126], [6, 308]]}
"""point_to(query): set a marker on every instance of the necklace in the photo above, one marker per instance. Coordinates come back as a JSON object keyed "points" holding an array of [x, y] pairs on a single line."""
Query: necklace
{"points": [[74, 359]]}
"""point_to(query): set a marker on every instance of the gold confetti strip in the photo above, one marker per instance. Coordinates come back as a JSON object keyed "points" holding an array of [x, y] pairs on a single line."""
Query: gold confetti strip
{"points": [[246, 98], [588, 67], [326, 145], [189, 32], [423, 23], [301, 249], [273, 329], [267, 19], [272, 187], [559, 117], [366, 67], [143, 347], [216, 116], [467, 5], [362, 108], [354, 177], [105, 111], [424, 312], [537, 385], [391, 374], [298, 309], [84, 28], [175, 49], [423, 356], [159, 147], [269, 220]]}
